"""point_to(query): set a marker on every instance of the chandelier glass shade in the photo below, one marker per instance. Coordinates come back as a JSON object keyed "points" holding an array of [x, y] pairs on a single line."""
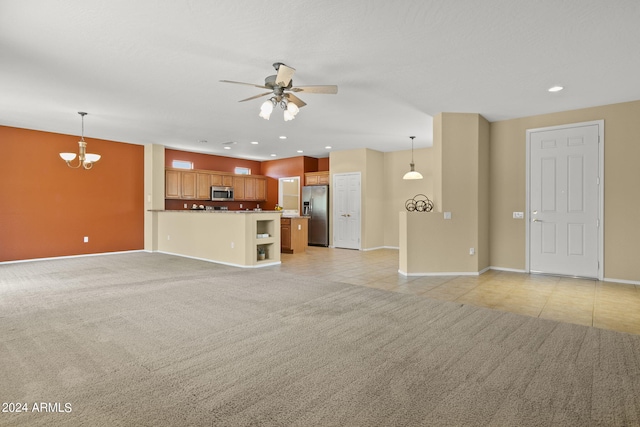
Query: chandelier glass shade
{"points": [[86, 160]]}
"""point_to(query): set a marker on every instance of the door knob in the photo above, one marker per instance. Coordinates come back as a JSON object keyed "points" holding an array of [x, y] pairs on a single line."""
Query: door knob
{"points": [[535, 220]]}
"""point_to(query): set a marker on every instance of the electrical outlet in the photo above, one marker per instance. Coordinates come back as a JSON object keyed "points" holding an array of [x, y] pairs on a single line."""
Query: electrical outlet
{"points": [[232, 245], [168, 237], [86, 239], [472, 251], [185, 206], [447, 215], [240, 205], [299, 226]]}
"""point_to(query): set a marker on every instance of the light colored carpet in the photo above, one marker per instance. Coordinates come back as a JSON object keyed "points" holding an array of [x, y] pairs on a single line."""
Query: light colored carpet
{"points": [[154, 340]]}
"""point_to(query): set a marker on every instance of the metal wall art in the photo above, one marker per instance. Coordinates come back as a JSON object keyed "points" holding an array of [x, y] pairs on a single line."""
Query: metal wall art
{"points": [[419, 203]]}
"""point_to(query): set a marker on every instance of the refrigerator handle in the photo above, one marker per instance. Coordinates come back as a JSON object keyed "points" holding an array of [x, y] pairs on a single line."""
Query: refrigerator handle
{"points": [[310, 204]]}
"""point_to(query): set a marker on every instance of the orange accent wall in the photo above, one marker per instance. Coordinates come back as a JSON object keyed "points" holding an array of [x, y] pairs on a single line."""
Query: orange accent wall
{"points": [[211, 162], [47, 208], [323, 165]]}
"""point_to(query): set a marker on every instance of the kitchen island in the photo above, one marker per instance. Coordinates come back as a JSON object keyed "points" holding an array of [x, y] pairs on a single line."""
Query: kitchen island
{"points": [[239, 238]]}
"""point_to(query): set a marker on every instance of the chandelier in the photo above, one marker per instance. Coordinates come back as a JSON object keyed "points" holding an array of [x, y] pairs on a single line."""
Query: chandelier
{"points": [[86, 160]]}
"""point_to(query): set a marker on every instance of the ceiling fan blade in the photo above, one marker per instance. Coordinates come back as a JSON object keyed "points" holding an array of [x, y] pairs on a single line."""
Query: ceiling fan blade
{"points": [[331, 89], [256, 96], [246, 84], [292, 98], [284, 75]]}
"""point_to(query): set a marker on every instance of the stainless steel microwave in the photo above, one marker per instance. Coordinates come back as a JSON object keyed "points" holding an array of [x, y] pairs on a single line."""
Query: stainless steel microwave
{"points": [[221, 194]]}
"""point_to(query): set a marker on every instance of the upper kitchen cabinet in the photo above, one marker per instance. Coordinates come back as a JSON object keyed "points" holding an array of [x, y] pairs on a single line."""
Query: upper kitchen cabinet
{"points": [[182, 185], [221, 180], [316, 178], [238, 188], [250, 188], [172, 189], [203, 189], [196, 185]]}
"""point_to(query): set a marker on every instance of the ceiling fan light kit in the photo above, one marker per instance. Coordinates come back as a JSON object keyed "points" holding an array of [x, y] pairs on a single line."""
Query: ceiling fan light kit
{"points": [[280, 86], [412, 174]]}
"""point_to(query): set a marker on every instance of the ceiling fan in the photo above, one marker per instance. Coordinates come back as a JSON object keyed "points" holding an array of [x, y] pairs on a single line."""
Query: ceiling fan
{"points": [[280, 86]]}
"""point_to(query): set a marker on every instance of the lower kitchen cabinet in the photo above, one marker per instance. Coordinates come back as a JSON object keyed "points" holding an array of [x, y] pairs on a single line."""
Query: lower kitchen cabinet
{"points": [[294, 234]]}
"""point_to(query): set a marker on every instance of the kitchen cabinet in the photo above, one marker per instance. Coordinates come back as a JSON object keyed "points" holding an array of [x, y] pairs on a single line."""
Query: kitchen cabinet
{"points": [[249, 188], [221, 180], [316, 178], [238, 188], [203, 189], [196, 185], [261, 189], [188, 185], [172, 188], [294, 234]]}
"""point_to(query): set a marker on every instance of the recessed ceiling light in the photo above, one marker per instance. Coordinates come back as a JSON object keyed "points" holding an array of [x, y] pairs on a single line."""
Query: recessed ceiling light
{"points": [[555, 89], [273, 155], [328, 147], [300, 151], [226, 147], [283, 137], [254, 143]]}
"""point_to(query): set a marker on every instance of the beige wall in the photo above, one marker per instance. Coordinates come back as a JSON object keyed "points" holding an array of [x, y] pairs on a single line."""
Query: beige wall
{"points": [[370, 164], [621, 180], [153, 193], [430, 243], [397, 190]]}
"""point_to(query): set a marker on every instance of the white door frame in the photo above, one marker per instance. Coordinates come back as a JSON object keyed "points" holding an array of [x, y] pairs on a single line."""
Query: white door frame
{"points": [[527, 215]]}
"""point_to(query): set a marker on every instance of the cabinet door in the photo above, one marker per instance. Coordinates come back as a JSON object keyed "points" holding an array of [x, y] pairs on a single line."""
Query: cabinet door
{"points": [[189, 185], [311, 180], [285, 237], [323, 179], [227, 180], [249, 188], [238, 188], [261, 189], [204, 186], [216, 180], [172, 184]]}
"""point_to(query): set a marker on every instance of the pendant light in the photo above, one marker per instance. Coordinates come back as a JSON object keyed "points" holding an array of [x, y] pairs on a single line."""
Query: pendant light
{"points": [[86, 160], [412, 174]]}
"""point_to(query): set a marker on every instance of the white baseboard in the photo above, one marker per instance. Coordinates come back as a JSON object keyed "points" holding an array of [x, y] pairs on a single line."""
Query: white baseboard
{"points": [[262, 264], [380, 247], [627, 282], [71, 256], [512, 270]]}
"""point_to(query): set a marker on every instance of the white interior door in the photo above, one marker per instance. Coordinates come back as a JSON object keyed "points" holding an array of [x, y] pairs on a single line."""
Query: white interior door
{"points": [[346, 210], [564, 200]]}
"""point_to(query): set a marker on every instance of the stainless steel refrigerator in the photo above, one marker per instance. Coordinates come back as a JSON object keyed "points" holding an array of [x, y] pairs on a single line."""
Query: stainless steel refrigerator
{"points": [[315, 204]]}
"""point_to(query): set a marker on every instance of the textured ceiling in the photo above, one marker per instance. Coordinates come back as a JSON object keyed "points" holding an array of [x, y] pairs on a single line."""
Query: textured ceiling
{"points": [[149, 71]]}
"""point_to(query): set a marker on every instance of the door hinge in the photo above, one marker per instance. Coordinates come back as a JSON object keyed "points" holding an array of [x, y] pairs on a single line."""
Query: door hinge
{"points": [[598, 180], [598, 223]]}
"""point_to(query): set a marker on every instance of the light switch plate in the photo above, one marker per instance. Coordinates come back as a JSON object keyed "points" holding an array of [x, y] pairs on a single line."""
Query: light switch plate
{"points": [[518, 215], [447, 215]]}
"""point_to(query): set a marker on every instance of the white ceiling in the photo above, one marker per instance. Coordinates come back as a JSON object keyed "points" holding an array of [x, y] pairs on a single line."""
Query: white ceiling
{"points": [[148, 71]]}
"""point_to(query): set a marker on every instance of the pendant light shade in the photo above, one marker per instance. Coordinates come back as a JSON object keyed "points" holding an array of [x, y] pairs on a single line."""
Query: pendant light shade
{"points": [[412, 174]]}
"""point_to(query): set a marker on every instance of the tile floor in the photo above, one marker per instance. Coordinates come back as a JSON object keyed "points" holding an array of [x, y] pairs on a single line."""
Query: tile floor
{"points": [[603, 305]]}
